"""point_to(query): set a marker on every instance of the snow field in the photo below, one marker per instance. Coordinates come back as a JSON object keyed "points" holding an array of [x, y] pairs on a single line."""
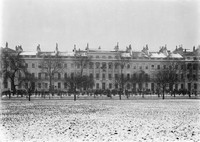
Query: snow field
{"points": [[100, 120]]}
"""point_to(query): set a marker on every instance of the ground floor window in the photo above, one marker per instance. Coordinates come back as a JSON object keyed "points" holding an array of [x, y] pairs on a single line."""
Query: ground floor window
{"points": [[65, 85], [181, 86], [176, 86], [6, 85], [103, 85], [116, 86], [97, 85], [59, 85], [195, 86], [110, 85], [39, 85]]}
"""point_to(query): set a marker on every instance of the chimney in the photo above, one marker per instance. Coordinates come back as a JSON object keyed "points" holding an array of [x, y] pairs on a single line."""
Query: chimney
{"points": [[193, 48], [6, 44]]}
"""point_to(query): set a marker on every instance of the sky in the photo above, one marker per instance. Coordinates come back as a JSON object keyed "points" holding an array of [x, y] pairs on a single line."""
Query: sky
{"points": [[99, 23]]}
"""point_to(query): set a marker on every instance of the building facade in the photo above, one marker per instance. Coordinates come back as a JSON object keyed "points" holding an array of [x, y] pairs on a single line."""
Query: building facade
{"points": [[188, 67]]}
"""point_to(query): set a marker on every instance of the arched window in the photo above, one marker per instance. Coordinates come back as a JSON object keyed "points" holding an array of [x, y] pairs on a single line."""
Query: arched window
{"points": [[59, 75], [65, 75], [97, 65]]}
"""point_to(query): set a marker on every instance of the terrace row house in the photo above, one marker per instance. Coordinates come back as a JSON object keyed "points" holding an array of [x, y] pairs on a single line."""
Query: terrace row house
{"points": [[103, 68]]}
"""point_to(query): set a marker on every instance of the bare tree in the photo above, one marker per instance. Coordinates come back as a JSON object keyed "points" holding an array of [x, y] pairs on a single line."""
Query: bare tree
{"points": [[122, 59], [27, 81], [79, 79], [167, 76], [140, 78], [51, 64], [13, 66]]}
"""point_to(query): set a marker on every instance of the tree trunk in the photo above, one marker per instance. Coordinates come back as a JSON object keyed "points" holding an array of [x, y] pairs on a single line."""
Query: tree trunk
{"points": [[29, 96], [163, 93], [13, 87], [75, 94]]}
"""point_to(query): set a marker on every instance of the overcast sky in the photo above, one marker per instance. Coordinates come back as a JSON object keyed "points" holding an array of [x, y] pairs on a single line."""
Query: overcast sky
{"points": [[99, 23]]}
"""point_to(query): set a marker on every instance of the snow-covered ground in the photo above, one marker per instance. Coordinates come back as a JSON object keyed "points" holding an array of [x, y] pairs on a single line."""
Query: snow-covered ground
{"points": [[100, 120]]}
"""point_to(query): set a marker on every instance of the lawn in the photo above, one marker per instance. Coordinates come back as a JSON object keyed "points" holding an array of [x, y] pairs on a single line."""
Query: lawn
{"points": [[100, 120]]}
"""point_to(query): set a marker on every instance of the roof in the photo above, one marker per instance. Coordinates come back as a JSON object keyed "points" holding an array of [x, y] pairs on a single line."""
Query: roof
{"points": [[28, 53], [158, 55], [175, 55]]}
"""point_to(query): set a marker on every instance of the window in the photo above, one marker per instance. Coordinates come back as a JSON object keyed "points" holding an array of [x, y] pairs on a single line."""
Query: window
{"points": [[65, 65], [46, 85], [46, 75], [128, 66], [181, 76], [164, 67], [103, 76], [128, 86], [128, 76], [33, 74], [195, 86], [146, 77], [39, 66], [147, 67], [59, 85], [39, 75], [188, 76], [140, 67], [152, 66], [91, 75], [97, 57], [134, 67], [33, 65], [195, 66], [110, 76], [176, 76], [59, 75], [65, 85], [189, 66], [39, 85], [103, 85], [110, 57], [116, 66], [181, 86], [6, 84], [110, 85], [104, 66], [176, 86], [97, 75], [91, 65], [176, 67], [195, 58], [158, 67], [72, 65], [97, 65], [194, 77], [146, 85], [26, 64], [97, 85], [110, 66], [65, 75], [182, 67], [72, 75], [116, 86], [116, 76]]}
